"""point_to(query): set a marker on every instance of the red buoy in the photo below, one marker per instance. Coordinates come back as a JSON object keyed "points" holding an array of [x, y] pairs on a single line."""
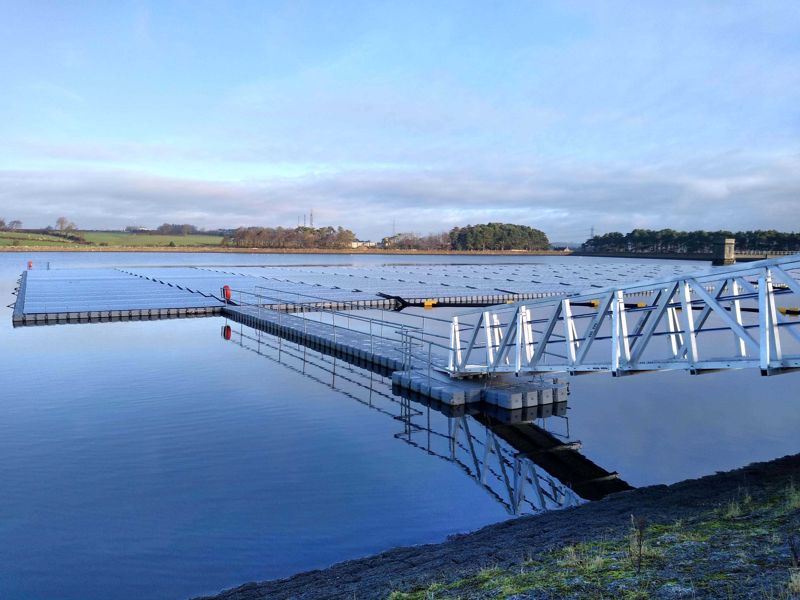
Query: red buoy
{"points": [[226, 292], [226, 332], [30, 265]]}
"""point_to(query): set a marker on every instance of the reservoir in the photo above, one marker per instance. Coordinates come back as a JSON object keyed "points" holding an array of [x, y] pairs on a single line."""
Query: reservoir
{"points": [[157, 459]]}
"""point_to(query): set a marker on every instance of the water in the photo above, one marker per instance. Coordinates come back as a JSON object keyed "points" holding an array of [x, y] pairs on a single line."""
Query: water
{"points": [[154, 459]]}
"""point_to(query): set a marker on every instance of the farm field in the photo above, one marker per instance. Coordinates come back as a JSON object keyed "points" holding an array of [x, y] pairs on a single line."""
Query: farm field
{"points": [[106, 238], [122, 238]]}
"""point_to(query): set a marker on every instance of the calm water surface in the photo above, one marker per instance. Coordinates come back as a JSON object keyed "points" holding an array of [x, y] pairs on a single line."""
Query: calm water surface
{"points": [[155, 460]]}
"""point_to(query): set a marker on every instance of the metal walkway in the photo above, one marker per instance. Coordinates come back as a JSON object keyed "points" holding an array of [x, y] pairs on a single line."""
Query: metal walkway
{"points": [[728, 318], [387, 347]]}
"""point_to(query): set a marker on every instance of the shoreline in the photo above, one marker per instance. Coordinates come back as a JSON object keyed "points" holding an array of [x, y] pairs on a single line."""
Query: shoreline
{"points": [[215, 250], [687, 521]]}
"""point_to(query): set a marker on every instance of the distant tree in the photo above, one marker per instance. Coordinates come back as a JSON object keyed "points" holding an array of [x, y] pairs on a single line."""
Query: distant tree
{"points": [[2, 223], [176, 229], [498, 236], [15, 224], [62, 223]]}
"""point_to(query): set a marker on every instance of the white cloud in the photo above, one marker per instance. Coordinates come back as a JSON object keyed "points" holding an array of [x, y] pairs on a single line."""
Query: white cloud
{"points": [[564, 201]]}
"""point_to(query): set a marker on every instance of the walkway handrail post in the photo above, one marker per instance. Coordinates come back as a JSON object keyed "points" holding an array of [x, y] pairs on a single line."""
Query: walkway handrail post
{"points": [[455, 345], [429, 367]]}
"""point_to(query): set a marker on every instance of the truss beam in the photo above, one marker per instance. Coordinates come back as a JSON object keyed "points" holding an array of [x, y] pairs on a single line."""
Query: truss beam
{"points": [[612, 330]]}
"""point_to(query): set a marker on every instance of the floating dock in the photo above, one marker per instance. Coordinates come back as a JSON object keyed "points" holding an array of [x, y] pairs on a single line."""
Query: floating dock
{"points": [[410, 369]]}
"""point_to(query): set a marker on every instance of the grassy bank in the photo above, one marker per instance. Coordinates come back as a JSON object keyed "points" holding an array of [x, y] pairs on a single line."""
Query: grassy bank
{"points": [[92, 240], [10, 240], [747, 547]]}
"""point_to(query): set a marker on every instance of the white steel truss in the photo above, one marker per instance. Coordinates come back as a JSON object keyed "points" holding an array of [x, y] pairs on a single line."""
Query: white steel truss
{"points": [[723, 318]]}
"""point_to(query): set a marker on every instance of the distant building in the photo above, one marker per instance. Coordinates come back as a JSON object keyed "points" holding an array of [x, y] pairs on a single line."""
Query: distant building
{"points": [[363, 244]]}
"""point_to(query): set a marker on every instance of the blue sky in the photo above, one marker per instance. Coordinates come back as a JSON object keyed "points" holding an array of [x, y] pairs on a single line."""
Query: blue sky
{"points": [[560, 115]]}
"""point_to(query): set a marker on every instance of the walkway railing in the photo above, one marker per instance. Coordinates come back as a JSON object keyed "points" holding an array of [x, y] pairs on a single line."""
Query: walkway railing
{"points": [[419, 342]]}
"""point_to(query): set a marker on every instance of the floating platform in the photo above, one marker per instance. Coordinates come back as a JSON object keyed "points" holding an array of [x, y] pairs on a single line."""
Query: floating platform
{"points": [[90, 295], [78, 295], [508, 393]]}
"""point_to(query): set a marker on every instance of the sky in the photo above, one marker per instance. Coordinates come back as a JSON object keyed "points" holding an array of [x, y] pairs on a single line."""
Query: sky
{"points": [[407, 116]]}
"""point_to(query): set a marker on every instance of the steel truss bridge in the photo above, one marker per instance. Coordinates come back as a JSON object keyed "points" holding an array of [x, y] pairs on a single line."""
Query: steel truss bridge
{"points": [[725, 318]]}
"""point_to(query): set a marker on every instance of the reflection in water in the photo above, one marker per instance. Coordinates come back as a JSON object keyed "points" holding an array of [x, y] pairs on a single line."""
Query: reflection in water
{"points": [[510, 454]]}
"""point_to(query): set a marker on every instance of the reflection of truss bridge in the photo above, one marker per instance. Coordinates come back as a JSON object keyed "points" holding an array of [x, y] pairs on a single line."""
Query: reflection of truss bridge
{"points": [[511, 478], [463, 436]]}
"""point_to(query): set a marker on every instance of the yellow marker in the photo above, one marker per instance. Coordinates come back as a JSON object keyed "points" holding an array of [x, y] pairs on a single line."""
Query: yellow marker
{"points": [[429, 303], [789, 310], [595, 303]]}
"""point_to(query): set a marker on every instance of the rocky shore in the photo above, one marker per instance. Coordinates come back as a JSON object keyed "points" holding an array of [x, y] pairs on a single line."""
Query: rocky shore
{"points": [[730, 535]]}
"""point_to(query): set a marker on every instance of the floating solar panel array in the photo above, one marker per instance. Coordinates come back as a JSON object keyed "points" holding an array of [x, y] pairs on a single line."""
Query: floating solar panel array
{"points": [[75, 294], [100, 291], [467, 282]]}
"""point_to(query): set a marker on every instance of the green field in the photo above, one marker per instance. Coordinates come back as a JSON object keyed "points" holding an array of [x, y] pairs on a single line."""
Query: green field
{"points": [[121, 238], [107, 238]]}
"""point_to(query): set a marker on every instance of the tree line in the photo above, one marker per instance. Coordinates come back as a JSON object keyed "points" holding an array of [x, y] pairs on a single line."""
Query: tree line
{"points": [[282, 237], [487, 236], [690, 242]]}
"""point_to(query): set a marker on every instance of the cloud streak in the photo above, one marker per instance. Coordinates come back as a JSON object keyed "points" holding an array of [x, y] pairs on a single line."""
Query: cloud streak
{"points": [[610, 198]]}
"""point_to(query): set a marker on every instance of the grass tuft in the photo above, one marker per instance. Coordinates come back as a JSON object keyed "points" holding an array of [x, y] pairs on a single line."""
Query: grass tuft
{"points": [[794, 581], [732, 509], [792, 497]]}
